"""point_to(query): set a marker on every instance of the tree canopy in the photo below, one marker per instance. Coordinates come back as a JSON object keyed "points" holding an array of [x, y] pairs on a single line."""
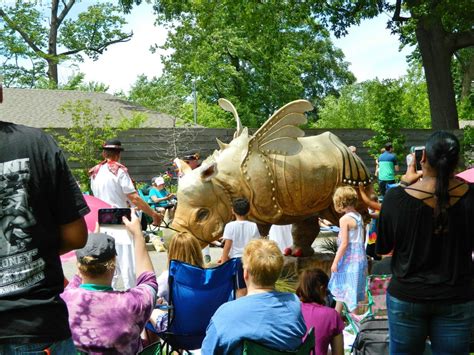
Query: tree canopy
{"points": [[439, 29], [258, 55], [32, 44]]}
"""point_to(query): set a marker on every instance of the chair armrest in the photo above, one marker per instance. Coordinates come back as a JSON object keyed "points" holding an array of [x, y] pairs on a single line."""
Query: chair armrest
{"points": [[164, 307]]}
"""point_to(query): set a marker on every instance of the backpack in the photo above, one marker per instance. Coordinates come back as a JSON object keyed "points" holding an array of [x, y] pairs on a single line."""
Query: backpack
{"points": [[372, 338]]}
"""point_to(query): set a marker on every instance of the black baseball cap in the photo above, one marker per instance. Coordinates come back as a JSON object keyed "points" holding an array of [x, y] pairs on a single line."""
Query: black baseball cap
{"points": [[99, 246], [113, 144]]}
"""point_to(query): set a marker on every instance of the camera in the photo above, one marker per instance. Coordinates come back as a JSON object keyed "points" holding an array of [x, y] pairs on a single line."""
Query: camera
{"points": [[113, 215], [418, 156]]}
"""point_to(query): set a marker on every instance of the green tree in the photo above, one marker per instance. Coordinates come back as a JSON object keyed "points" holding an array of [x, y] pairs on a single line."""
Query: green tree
{"points": [[90, 128], [76, 82], [384, 106], [259, 55], [167, 95], [415, 110], [362, 105], [468, 146], [387, 115], [439, 28], [463, 72], [32, 41], [163, 94], [208, 115]]}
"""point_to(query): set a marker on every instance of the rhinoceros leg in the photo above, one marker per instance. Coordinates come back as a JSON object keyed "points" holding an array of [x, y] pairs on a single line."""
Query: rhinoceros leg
{"points": [[264, 229], [304, 233]]}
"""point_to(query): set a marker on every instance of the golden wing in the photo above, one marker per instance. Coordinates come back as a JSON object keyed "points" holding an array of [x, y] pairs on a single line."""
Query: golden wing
{"points": [[278, 135]]}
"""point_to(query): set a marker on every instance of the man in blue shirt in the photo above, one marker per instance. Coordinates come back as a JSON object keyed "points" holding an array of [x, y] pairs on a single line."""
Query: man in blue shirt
{"points": [[266, 316], [387, 166]]}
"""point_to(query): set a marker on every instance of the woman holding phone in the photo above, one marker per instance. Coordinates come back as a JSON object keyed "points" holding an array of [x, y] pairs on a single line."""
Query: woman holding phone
{"points": [[429, 224]]}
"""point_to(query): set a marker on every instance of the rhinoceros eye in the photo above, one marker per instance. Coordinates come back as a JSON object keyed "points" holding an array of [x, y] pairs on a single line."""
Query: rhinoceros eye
{"points": [[202, 214]]}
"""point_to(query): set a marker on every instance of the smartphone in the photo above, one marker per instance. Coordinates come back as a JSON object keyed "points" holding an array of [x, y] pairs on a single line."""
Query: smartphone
{"points": [[113, 215], [418, 155]]}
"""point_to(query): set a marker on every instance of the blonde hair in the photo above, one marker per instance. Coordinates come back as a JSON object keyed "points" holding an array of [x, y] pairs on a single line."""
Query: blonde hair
{"points": [[88, 268], [184, 247], [263, 260], [344, 196]]}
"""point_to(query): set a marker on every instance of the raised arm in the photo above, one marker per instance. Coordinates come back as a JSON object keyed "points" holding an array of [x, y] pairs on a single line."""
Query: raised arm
{"points": [[142, 258], [411, 176], [366, 199]]}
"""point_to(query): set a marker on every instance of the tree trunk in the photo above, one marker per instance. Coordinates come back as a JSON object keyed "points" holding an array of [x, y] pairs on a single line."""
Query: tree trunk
{"points": [[53, 72], [436, 56], [52, 44]]}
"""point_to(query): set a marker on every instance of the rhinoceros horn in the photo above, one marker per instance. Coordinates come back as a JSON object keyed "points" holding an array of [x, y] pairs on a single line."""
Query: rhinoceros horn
{"points": [[226, 105], [222, 145], [183, 167]]}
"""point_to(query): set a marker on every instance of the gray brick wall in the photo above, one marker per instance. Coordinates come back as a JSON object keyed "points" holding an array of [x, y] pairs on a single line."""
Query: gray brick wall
{"points": [[148, 152]]}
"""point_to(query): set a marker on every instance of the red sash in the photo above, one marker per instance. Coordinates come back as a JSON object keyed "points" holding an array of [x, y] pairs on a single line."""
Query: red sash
{"points": [[113, 166]]}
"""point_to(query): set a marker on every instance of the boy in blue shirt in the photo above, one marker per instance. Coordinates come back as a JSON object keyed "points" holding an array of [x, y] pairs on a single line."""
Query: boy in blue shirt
{"points": [[236, 320]]}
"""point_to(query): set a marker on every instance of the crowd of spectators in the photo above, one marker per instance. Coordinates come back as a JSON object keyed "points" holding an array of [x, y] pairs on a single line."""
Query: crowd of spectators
{"points": [[425, 224]]}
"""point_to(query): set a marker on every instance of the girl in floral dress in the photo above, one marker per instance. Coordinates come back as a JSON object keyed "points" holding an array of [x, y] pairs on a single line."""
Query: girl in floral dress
{"points": [[349, 268]]}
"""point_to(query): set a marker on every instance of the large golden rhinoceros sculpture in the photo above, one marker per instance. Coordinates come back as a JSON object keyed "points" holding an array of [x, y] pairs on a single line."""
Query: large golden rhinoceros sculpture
{"points": [[288, 178]]}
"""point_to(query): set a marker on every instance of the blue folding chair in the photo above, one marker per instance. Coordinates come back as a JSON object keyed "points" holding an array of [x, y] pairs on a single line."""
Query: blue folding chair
{"points": [[144, 193], [194, 296]]}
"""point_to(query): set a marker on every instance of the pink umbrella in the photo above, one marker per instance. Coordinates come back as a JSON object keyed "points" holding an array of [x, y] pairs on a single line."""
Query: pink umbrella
{"points": [[91, 219], [94, 204], [467, 176]]}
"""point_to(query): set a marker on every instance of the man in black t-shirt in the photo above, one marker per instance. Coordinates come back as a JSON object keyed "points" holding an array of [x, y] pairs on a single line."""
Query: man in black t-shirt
{"points": [[41, 217]]}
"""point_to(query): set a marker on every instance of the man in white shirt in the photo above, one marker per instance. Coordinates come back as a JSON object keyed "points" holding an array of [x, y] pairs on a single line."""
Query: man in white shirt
{"points": [[111, 183], [237, 234]]}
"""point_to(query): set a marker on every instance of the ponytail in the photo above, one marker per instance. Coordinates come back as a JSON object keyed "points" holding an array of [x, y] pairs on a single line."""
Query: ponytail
{"points": [[442, 195], [442, 152]]}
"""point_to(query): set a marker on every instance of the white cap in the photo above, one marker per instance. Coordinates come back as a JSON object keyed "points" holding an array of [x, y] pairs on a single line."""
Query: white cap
{"points": [[159, 181]]}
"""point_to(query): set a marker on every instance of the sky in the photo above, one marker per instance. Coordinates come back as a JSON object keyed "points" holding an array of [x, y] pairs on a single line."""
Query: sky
{"points": [[369, 48]]}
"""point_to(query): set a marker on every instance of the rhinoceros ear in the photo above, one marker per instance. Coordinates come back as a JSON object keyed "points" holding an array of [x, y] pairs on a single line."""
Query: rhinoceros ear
{"points": [[208, 171], [183, 167]]}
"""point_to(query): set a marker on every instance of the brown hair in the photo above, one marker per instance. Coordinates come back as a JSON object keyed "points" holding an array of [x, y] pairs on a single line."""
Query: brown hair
{"points": [[309, 286], [110, 153], [184, 247], [95, 269], [263, 260], [344, 196]]}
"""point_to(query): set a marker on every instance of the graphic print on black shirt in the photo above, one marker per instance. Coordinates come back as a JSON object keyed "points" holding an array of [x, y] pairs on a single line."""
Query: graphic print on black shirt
{"points": [[20, 265]]}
